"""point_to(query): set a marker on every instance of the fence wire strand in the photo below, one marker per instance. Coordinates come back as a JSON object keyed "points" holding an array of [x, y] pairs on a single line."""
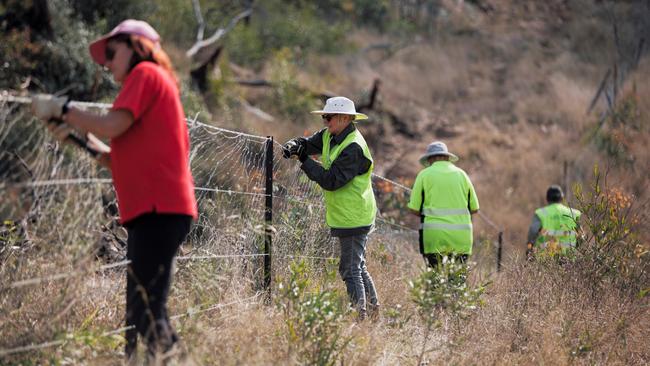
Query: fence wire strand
{"points": [[70, 337]]}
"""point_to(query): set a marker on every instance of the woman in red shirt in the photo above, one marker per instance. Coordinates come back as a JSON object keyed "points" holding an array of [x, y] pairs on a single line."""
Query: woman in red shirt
{"points": [[149, 160]]}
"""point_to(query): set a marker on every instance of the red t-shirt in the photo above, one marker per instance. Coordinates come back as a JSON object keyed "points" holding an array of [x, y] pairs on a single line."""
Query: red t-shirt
{"points": [[150, 160]]}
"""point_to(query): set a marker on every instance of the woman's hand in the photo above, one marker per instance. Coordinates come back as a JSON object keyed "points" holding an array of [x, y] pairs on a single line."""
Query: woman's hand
{"points": [[47, 106]]}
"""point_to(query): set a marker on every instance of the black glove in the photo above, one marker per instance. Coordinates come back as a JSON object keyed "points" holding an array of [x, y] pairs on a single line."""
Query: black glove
{"points": [[293, 148]]}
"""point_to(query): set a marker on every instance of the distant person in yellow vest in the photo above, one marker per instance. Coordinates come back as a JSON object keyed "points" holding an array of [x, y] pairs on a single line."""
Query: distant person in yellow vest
{"points": [[444, 198], [344, 174], [554, 226]]}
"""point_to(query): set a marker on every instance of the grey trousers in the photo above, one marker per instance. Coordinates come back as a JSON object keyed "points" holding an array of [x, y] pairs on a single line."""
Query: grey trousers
{"points": [[353, 271]]}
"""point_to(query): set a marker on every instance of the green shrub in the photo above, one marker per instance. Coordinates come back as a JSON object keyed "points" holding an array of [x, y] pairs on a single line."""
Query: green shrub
{"points": [[613, 136], [313, 316], [54, 62], [290, 100], [277, 24], [443, 290], [18, 57], [609, 246]]}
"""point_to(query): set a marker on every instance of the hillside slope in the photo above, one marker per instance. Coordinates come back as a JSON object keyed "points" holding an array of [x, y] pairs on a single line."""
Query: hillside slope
{"points": [[507, 88]]}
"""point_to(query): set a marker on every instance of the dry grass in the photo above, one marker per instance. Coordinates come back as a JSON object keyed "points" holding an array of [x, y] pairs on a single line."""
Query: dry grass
{"points": [[536, 314]]}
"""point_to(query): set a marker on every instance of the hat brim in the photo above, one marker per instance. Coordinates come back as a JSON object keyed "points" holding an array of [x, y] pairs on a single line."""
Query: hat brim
{"points": [[98, 49], [357, 116], [423, 159]]}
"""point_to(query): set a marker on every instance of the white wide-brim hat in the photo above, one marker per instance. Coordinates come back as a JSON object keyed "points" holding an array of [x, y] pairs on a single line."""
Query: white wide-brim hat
{"points": [[437, 148], [340, 105]]}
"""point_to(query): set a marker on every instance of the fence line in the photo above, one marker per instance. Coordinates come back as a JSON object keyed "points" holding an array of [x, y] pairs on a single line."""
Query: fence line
{"points": [[215, 306], [229, 191], [192, 122], [32, 347], [63, 182], [217, 256], [4, 95], [401, 227], [70, 337], [308, 257], [60, 276], [489, 222], [392, 182]]}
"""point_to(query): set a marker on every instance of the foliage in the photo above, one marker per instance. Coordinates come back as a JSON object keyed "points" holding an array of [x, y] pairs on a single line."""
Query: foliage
{"points": [[106, 16], [182, 30], [614, 135], [608, 247], [396, 317], [278, 24], [443, 290], [17, 57], [313, 316], [54, 62], [290, 99]]}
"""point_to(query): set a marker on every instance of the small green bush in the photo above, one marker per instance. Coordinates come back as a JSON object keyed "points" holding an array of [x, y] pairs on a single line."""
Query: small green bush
{"points": [[443, 290], [613, 136], [313, 316], [609, 247], [276, 24], [291, 101]]}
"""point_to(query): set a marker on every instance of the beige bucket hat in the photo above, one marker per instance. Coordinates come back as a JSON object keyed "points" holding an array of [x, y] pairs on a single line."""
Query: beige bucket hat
{"points": [[437, 148]]}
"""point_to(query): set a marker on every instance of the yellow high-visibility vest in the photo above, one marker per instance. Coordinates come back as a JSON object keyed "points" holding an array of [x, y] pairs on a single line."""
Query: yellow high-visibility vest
{"points": [[352, 205], [448, 198], [558, 232]]}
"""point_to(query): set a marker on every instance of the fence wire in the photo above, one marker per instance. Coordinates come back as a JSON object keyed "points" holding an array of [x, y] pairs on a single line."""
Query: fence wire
{"points": [[55, 191]]}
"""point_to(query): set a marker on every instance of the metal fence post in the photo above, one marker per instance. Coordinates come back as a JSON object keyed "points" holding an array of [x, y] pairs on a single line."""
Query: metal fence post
{"points": [[499, 250], [268, 214]]}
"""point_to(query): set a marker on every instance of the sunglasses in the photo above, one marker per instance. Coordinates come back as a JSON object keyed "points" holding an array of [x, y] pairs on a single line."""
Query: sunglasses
{"points": [[328, 117], [109, 53]]}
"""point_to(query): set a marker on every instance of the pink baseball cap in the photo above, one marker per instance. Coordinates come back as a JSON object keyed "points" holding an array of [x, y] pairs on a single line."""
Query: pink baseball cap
{"points": [[129, 26]]}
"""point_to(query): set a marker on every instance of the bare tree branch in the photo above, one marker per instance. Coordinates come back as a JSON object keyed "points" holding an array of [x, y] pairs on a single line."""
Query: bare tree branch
{"points": [[256, 111], [205, 46], [601, 87], [199, 19], [639, 51]]}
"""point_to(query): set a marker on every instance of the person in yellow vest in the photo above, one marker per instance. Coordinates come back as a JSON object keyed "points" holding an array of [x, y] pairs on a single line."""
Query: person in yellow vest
{"points": [[444, 198], [553, 229], [344, 174]]}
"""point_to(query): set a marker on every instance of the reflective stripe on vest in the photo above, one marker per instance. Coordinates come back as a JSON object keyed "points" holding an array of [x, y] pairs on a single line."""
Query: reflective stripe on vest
{"points": [[558, 232], [558, 226], [439, 226], [445, 211]]}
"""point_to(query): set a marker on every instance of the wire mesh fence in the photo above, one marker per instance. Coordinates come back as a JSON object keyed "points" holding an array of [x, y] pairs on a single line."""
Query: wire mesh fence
{"points": [[58, 206]]}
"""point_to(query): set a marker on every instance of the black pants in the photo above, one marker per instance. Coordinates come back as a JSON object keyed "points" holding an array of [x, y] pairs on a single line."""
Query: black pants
{"points": [[434, 258], [152, 244]]}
